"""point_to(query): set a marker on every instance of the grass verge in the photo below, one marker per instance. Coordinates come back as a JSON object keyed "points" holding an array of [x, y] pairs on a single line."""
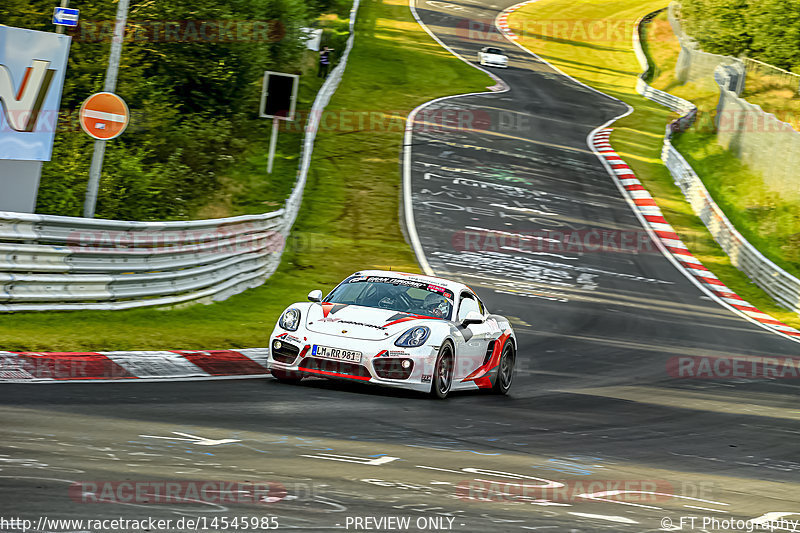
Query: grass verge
{"points": [[349, 218], [774, 97], [605, 60]]}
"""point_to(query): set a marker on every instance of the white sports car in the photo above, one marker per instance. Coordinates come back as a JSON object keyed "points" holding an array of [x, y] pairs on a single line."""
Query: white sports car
{"points": [[492, 56], [399, 330]]}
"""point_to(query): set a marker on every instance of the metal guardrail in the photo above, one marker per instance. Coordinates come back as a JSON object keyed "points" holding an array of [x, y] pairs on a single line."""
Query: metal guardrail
{"points": [[63, 263], [775, 281], [55, 263]]}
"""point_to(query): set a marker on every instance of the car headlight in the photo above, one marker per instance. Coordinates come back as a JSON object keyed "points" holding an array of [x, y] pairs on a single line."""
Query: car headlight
{"points": [[290, 320], [413, 337]]}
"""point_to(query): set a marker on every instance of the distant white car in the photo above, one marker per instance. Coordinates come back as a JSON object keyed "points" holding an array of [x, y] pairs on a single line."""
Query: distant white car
{"points": [[491, 56], [398, 330]]}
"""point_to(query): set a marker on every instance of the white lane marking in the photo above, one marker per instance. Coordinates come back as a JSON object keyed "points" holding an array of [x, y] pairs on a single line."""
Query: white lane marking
{"points": [[620, 519], [598, 496], [439, 469], [369, 461], [520, 250], [705, 508], [194, 439]]}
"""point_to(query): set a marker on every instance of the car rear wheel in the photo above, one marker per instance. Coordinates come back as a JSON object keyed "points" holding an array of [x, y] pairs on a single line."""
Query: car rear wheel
{"points": [[286, 376], [505, 370], [443, 373]]}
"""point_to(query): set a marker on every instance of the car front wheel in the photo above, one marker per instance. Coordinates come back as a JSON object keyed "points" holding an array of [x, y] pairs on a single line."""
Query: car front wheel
{"points": [[505, 370], [443, 373]]}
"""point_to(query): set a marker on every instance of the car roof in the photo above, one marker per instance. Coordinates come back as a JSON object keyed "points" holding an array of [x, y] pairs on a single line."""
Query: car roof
{"points": [[446, 283]]}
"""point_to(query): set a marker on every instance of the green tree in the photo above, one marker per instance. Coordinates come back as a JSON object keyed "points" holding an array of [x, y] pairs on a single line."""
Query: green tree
{"points": [[193, 101], [719, 26], [775, 26]]}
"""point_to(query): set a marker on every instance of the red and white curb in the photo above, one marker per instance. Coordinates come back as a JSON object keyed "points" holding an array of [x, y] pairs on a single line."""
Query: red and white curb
{"points": [[502, 23], [502, 20], [654, 218], [133, 366]]}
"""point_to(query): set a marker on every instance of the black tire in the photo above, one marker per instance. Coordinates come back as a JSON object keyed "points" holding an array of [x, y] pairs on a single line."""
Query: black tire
{"points": [[286, 376], [505, 370], [443, 372]]}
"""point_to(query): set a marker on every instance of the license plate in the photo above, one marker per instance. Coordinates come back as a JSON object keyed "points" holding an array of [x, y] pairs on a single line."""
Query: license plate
{"points": [[336, 353]]}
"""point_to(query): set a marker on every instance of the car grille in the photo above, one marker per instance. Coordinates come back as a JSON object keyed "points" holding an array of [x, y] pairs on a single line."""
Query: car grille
{"points": [[391, 368], [338, 367], [287, 353]]}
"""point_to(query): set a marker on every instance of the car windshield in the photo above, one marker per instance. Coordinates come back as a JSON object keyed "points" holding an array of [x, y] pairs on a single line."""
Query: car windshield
{"points": [[494, 51], [395, 294]]}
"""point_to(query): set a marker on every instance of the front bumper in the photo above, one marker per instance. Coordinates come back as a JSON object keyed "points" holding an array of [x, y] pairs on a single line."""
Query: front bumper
{"points": [[381, 363], [498, 64]]}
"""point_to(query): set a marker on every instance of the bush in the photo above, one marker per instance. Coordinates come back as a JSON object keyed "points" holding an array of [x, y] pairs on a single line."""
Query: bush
{"points": [[767, 30]]}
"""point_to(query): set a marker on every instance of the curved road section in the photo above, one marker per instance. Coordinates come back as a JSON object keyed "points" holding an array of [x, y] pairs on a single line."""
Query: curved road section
{"points": [[607, 427]]}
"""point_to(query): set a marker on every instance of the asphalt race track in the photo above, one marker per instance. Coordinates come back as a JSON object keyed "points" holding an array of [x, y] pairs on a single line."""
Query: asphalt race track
{"points": [[593, 409]]}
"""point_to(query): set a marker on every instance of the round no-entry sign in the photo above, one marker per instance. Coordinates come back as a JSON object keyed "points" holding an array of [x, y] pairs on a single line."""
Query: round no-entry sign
{"points": [[104, 116]]}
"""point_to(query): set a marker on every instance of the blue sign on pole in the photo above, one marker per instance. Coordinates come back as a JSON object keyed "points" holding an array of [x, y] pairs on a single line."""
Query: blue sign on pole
{"points": [[63, 16]]}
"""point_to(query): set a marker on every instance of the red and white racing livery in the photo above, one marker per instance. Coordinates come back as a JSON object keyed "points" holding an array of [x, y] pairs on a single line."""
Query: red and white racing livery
{"points": [[398, 330]]}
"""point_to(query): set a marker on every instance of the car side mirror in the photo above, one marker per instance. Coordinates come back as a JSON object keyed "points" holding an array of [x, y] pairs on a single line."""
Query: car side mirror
{"points": [[315, 296], [473, 317]]}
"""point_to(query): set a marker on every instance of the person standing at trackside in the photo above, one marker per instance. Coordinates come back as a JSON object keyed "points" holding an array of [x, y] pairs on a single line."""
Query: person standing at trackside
{"points": [[324, 61]]}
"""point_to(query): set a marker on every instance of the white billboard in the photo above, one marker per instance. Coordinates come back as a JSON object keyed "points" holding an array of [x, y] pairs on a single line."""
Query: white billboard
{"points": [[32, 68]]}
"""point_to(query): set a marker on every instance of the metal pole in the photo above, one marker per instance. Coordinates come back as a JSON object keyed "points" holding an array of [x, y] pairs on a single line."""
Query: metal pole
{"points": [[109, 87], [59, 28], [272, 142]]}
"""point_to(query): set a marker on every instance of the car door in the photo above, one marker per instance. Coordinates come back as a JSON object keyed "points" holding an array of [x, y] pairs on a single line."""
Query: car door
{"points": [[476, 336]]}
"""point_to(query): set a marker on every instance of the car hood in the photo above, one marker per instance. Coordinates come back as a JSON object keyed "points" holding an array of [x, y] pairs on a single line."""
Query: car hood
{"points": [[358, 322], [494, 57]]}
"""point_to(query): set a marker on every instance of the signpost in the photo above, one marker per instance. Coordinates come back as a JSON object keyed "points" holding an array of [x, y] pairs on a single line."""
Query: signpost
{"points": [[109, 120], [278, 100], [63, 16]]}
